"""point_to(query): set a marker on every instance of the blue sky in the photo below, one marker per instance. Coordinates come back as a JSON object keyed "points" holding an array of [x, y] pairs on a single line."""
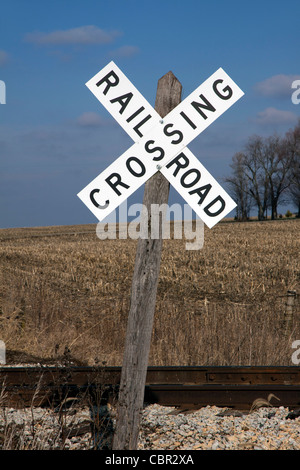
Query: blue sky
{"points": [[55, 137]]}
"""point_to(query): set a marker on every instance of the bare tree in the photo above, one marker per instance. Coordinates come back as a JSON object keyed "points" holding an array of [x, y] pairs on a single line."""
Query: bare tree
{"points": [[276, 163], [292, 143], [266, 172], [295, 186], [258, 184], [239, 187]]}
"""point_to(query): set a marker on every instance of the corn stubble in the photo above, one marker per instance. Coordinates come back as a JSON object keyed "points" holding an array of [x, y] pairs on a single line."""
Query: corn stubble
{"points": [[64, 295]]}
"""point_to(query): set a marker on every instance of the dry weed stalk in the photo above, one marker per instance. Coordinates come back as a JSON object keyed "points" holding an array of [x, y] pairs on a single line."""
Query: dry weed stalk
{"points": [[262, 402]]}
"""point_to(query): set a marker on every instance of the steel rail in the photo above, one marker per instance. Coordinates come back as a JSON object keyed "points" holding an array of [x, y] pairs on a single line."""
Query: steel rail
{"points": [[234, 387]]}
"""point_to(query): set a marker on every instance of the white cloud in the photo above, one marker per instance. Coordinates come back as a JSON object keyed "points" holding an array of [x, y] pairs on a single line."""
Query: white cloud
{"points": [[275, 116], [3, 57], [90, 119], [278, 86], [125, 51], [82, 35]]}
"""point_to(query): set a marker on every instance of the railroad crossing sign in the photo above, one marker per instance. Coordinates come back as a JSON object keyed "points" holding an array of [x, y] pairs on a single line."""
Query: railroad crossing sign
{"points": [[160, 144]]}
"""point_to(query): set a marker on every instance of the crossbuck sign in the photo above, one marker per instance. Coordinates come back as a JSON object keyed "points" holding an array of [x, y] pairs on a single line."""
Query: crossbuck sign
{"points": [[160, 144]]}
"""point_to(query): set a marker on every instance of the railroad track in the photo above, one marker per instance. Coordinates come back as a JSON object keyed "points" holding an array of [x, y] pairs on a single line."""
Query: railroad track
{"points": [[233, 387]]}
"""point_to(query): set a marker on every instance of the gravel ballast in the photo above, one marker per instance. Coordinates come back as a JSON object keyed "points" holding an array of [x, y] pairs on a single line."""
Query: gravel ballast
{"points": [[162, 428]]}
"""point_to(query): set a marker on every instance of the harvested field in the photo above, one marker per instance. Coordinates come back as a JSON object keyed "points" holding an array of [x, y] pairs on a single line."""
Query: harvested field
{"points": [[65, 294]]}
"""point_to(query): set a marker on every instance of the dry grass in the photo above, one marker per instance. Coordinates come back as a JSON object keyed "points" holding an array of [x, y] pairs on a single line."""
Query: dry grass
{"points": [[222, 305]]}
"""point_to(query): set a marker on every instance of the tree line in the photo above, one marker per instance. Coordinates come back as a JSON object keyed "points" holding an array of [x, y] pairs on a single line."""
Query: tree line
{"points": [[266, 174]]}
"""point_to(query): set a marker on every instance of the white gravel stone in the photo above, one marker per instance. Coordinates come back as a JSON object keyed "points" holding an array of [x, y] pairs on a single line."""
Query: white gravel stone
{"points": [[162, 428]]}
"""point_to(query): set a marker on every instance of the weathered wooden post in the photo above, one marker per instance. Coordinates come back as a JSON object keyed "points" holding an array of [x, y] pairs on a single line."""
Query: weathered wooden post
{"points": [[143, 295]]}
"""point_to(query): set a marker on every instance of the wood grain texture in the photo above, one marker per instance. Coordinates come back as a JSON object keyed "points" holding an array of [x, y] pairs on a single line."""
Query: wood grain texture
{"points": [[143, 295]]}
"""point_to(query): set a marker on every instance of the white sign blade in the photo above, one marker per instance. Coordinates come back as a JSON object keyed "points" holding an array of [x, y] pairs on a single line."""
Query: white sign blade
{"points": [[202, 107], [135, 166], [198, 188], [116, 183], [124, 102], [163, 147]]}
